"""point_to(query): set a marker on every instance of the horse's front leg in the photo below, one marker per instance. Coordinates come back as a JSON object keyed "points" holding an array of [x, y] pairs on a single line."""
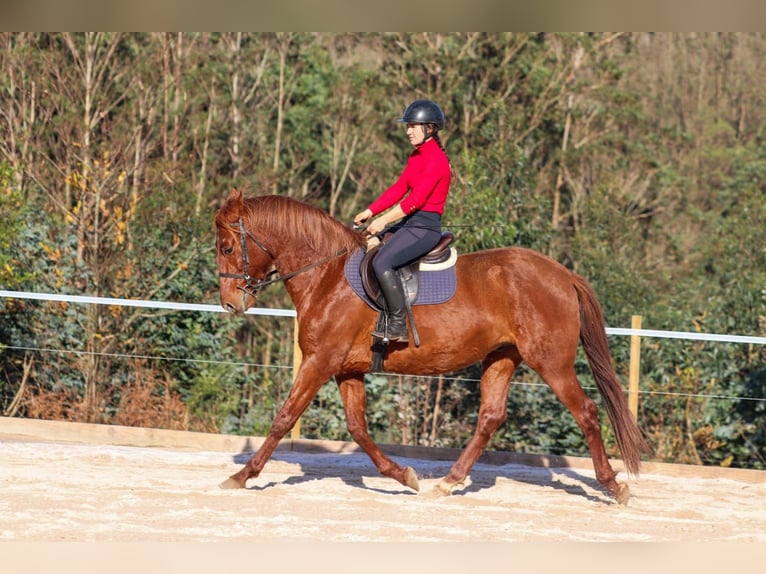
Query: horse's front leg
{"points": [[306, 386], [352, 392]]}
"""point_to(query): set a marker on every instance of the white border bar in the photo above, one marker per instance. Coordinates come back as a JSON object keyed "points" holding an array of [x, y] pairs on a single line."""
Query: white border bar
{"points": [[291, 313], [141, 303], [688, 335]]}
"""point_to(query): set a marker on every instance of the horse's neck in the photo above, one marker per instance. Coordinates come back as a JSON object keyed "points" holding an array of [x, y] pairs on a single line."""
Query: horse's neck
{"points": [[313, 282]]}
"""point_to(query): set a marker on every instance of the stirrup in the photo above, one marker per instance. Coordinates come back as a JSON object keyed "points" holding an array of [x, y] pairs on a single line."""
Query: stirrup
{"points": [[383, 332], [399, 335]]}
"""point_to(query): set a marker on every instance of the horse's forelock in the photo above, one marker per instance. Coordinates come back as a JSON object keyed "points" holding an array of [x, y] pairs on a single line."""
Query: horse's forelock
{"points": [[229, 212]]}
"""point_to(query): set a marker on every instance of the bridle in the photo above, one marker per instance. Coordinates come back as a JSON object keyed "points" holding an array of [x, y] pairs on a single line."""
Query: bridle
{"points": [[253, 285]]}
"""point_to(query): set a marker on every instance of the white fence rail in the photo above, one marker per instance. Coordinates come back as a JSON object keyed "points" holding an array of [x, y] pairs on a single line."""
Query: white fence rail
{"points": [[138, 303], [78, 299]]}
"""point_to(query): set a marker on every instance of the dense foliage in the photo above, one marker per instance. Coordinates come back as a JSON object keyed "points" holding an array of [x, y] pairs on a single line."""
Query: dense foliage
{"points": [[636, 159]]}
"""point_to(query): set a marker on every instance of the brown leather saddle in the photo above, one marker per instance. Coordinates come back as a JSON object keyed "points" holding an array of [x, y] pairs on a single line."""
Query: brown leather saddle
{"points": [[409, 274]]}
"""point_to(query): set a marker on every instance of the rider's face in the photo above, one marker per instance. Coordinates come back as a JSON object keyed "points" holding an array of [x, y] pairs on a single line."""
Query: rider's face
{"points": [[416, 133]]}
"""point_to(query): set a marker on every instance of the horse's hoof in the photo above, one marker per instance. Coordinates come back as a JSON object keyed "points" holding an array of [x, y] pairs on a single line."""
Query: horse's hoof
{"points": [[231, 483], [411, 479], [622, 496]]}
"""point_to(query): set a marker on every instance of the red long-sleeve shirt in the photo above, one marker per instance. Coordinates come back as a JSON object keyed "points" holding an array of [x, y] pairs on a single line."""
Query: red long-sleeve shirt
{"points": [[426, 177]]}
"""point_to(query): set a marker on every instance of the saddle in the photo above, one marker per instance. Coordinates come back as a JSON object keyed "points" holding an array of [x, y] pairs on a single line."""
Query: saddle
{"points": [[442, 256]]}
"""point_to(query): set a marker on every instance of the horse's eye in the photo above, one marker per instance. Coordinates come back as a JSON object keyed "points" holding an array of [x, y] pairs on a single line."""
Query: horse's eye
{"points": [[227, 250]]}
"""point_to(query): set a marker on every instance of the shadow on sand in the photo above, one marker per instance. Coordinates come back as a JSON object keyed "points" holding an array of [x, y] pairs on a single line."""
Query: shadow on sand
{"points": [[354, 467]]}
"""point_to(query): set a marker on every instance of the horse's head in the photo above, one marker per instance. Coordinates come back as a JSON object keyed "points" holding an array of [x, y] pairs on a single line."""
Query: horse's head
{"points": [[243, 261]]}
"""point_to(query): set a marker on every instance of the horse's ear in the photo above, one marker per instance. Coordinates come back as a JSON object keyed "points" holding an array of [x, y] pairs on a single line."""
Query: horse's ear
{"points": [[235, 196], [231, 208], [236, 200]]}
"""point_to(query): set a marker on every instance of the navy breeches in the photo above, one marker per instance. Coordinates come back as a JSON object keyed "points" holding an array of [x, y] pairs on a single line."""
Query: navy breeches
{"points": [[413, 237]]}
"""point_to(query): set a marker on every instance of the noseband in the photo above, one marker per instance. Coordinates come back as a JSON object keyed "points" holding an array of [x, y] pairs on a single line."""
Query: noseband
{"points": [[252, 285]]}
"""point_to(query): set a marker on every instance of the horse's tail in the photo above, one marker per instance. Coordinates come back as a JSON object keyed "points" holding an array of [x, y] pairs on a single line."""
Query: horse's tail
{"points": [[630, 439]]}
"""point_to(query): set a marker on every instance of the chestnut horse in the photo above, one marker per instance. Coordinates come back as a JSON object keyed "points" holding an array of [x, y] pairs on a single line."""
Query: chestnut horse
{"points": [[510, 305]]}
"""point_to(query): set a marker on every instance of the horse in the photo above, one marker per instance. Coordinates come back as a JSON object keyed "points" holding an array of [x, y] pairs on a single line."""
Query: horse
{"points": [[511, 305]]}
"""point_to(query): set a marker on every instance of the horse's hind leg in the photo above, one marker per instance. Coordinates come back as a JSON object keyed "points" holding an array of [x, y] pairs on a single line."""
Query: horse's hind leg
{"points": [[352, 392], [495, 381], [564, 383]]}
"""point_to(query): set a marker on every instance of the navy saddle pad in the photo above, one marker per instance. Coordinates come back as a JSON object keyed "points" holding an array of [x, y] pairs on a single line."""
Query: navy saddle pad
{"points": [[435, 286]]}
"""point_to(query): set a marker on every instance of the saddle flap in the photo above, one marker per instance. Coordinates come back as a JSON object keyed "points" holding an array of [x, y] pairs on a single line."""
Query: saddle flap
{"points": [[369, 280]]}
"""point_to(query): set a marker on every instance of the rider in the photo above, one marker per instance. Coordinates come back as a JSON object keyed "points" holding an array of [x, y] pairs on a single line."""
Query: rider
{"points": [[425, 182]]}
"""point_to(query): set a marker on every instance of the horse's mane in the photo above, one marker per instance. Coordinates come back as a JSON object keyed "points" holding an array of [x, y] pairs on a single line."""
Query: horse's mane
{"points": [[277, 215]]}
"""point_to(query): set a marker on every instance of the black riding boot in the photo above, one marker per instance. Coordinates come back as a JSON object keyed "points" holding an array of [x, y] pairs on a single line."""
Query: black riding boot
{"points": [[392, 290]]}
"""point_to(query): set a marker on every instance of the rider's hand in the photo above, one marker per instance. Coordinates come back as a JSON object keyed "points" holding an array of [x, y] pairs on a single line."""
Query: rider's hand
{"points": [[362, 216], [376, 226]]}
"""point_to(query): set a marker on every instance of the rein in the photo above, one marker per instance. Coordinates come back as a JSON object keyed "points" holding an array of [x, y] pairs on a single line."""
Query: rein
{"points": [[252, 286]]}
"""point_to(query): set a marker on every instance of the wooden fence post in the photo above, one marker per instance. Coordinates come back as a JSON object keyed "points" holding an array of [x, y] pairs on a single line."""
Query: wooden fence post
{"points": [[635, 364], [295, 434]]}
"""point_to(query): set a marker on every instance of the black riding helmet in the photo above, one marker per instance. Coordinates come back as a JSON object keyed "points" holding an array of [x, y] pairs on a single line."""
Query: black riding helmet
{"points": [[423, 112]]}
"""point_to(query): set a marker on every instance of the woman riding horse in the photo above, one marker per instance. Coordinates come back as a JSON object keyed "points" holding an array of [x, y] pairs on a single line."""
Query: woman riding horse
{"points": [[425, 182], [511, 306]]}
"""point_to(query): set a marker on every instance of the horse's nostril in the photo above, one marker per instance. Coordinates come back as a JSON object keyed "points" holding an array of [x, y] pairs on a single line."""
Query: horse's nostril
{"points": [[230, 308]]}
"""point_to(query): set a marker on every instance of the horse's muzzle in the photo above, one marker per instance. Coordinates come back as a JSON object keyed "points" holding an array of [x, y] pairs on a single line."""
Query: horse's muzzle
{"points": [[237, 303], [233, 309]]}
